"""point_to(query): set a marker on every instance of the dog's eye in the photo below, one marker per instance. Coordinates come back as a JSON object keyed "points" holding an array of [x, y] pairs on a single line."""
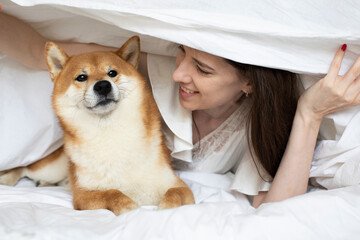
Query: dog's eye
{"points": [[112, 73], [81, 78]]}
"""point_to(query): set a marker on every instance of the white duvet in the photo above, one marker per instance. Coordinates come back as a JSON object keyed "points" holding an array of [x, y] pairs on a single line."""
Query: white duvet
{"points": [[301, 36], [46, 213]]}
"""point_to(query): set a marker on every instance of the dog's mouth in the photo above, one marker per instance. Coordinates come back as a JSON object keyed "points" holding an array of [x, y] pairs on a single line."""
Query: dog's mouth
{"points": [[105, 102], [103, 105]]}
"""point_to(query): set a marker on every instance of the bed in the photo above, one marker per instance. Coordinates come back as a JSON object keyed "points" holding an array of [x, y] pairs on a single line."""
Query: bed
{"points": [[47, 213], [298, 36]]}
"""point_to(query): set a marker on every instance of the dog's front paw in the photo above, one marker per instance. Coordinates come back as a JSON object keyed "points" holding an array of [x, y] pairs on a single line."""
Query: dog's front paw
{"points": [[176, 197], [173, 203], [10, 177], [121, 203], [118, 210], [112, 199]]}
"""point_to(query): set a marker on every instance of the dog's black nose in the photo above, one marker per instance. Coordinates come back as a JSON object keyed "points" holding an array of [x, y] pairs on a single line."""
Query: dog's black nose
{"points": [[102, 87]]}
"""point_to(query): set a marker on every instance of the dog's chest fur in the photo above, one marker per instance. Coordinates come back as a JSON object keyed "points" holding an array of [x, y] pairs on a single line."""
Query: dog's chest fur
{"points": [[116, 153]]}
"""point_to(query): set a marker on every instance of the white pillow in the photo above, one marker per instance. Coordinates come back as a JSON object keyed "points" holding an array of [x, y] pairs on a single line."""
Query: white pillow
{"points": [[29, 129]]}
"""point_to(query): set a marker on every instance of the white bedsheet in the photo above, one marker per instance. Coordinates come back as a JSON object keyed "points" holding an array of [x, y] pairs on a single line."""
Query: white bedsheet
{"points": [[298, 36], [46, 213], [301, 36]]}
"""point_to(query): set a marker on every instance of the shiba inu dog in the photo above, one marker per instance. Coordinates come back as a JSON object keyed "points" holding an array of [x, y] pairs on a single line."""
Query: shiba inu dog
{"points": [[114, 148]]}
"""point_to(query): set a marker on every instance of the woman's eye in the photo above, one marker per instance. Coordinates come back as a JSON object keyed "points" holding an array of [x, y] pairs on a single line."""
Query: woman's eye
{"points": [[112, 73], [202, 71], [81, 78]]}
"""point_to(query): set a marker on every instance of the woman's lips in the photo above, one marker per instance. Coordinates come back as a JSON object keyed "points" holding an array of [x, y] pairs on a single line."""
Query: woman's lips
{"points": [[185, 92]]}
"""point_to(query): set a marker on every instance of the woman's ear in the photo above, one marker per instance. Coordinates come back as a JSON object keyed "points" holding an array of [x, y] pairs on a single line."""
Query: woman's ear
{"points": [[248, 88]]}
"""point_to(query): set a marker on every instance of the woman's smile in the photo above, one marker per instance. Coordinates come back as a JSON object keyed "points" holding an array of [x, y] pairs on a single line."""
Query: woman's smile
{"points": [[186, 93]]}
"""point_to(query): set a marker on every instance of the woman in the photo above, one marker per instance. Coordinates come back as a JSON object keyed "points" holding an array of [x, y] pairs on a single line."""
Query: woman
{"points": [[281, 131]]}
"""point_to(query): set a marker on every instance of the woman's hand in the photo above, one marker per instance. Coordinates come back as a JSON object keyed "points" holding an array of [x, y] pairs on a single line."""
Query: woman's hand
{"points": [[333, 92]]}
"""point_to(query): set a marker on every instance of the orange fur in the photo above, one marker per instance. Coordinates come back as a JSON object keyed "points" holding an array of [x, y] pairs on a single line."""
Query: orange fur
{"points": [[46, 160], [175, 197], [111, 199]]}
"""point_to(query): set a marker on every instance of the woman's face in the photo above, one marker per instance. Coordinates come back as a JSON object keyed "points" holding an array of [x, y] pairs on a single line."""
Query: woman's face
{"points": [[207, 81]]}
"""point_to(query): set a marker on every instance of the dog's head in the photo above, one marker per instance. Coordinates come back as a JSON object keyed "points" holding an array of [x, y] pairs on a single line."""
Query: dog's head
{"points": [[94, 82]]}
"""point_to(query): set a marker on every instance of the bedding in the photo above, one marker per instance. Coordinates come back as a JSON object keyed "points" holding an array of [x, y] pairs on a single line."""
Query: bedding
{"points": [[296, 36], [46, 213]]}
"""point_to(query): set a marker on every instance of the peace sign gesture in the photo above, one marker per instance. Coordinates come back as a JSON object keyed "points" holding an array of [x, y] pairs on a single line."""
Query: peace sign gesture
{"points": [[333, 92]]}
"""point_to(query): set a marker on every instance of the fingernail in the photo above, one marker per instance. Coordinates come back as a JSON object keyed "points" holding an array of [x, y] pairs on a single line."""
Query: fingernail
{"points": [[343, 47]]}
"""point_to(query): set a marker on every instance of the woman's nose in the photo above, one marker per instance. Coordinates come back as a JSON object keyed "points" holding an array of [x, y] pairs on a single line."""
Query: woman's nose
{"points": [[182, 73]]}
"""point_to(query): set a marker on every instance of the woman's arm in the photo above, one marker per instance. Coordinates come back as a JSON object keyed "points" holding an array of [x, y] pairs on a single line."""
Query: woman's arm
{"points": [[332, 93], [292, 176], [22, 43]]}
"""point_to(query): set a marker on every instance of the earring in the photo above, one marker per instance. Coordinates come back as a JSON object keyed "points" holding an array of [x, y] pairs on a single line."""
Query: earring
{"points": [[246, 94]]}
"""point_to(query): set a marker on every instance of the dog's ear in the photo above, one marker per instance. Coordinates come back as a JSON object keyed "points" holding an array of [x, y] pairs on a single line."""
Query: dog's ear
{"points": [[55, 59], [130, 51]]}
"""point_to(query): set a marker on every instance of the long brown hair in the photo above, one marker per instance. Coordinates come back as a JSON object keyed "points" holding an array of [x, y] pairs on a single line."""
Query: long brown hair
{"points": [[273, 103]]}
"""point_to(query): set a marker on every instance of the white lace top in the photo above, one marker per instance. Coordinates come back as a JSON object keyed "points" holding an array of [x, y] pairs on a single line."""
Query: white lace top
{"points": [[224, 149], [209, 147]]}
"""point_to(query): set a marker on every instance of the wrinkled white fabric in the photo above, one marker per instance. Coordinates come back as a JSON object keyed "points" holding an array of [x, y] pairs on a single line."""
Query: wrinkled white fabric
{"points": [[29, 128], [177, 119], [46, 213], [301, 36], [337, 162]]}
